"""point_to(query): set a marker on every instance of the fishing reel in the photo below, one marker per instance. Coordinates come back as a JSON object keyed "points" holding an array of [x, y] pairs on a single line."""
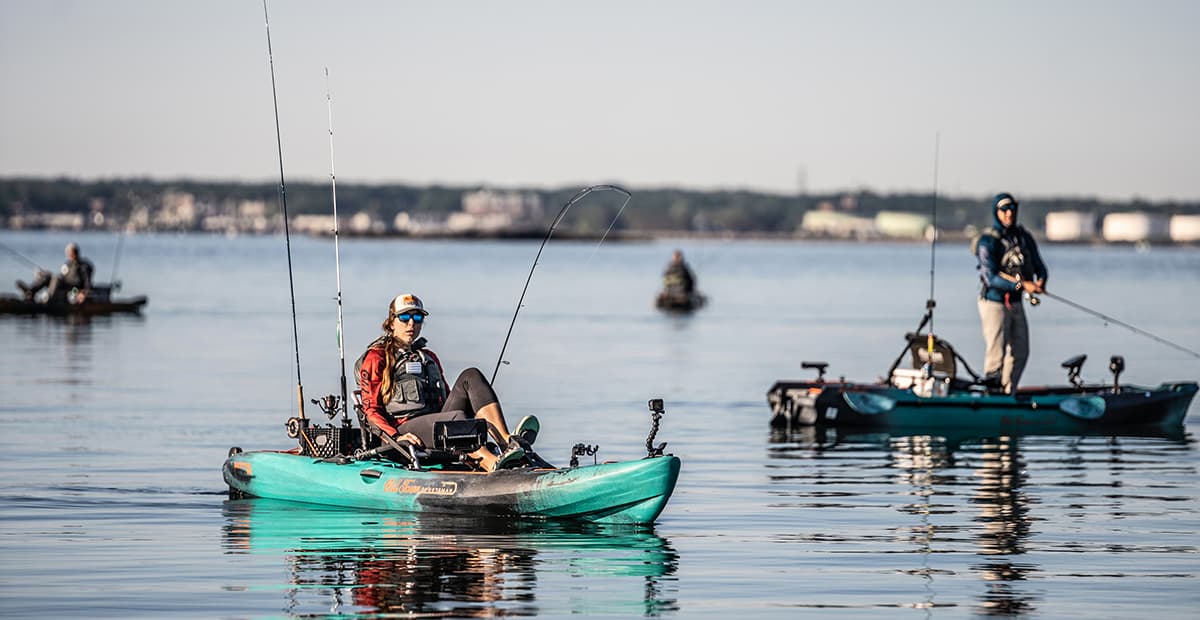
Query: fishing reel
{"points": [[295, 426], [329, 404]]}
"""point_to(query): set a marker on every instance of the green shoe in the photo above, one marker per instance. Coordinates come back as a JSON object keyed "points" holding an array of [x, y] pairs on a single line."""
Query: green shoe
{"points": [[510, 458], [527, 430]]}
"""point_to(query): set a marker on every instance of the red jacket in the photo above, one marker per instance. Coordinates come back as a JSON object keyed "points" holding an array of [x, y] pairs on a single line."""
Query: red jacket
{"points": [[370, 381]]}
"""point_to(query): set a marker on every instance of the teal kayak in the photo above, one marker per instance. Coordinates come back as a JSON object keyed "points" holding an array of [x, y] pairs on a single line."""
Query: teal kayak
{"points": [[632, 492]]}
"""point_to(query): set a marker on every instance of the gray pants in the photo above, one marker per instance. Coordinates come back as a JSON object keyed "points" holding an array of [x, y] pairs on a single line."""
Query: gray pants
{"points": [[56, 286], [1006, 334]]}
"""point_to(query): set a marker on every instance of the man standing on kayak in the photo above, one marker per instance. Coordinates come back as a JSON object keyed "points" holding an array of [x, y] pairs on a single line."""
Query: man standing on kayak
{"points": [[1010, 266], [404, 391]]}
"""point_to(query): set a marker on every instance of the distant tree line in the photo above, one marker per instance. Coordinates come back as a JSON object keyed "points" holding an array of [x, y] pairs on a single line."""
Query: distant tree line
{"points": [[663, 209]]}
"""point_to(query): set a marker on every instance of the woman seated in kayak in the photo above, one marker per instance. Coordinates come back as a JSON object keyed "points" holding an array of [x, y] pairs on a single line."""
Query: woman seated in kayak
{"points": [[404, 390]]}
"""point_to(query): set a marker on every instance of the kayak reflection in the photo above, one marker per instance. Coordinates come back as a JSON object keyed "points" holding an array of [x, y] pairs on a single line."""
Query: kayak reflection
{"points": [[1007, 510], [365, 563]]}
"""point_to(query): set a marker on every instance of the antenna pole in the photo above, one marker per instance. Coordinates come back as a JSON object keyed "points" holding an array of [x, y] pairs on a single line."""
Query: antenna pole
{"points": [[337, 260], [283, 207]]}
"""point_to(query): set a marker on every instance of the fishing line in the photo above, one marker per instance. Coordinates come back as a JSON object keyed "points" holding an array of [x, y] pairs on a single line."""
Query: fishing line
{"points": [[610, 227], [25, 259], [283, 207], [337, 261], [553, 225], [1109, 319]]}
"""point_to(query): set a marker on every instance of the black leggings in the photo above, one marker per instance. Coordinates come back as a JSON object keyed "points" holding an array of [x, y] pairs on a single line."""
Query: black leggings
{"points": [[470, 393]]}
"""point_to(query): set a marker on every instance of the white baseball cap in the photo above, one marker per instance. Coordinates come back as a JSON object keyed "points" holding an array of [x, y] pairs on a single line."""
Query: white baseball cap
{"points": [[407, 302]]}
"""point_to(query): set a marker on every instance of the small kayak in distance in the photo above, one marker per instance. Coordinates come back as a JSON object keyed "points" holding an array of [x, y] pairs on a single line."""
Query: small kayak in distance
{"points": [[672, 301], [632, 492], [99, 302]]}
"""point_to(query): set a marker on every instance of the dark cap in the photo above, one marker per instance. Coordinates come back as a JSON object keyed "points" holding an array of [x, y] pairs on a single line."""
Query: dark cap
{"points": [[1004, 200]]}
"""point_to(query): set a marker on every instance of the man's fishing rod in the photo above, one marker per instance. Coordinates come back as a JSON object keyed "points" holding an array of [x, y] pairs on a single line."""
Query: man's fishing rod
{"points": [[25, 259], [1108, 319], [283, 208], [557, 219], [112, 281], [337, 260], [929, 305]]}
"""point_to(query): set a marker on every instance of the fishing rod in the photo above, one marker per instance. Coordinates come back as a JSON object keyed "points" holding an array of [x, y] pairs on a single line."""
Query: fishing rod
{"points": [[929, 305], [337, 260], [283, 208], [557, 220], [1109, 319], [112, 281]]}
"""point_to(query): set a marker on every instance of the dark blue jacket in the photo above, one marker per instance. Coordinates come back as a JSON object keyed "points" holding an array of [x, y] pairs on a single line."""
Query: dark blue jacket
{"points": [[990, 253]]}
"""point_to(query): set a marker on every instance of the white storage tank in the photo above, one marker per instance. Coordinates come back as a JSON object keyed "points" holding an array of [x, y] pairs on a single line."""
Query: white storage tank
{"points": [[837, 224], [902, 224], [1135, 226], [1070, 226], [1185, 228]]}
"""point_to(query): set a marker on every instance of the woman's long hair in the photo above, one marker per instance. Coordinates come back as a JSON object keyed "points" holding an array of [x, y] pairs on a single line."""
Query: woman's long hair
{"points": [[390, 347]]}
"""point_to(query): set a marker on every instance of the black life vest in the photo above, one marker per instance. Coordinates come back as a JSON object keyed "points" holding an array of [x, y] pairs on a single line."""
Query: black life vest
{"points": [[1011, 253]]}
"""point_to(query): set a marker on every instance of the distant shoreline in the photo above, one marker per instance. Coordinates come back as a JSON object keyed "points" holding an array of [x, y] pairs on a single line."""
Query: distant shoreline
{"points": [[946, 238]]}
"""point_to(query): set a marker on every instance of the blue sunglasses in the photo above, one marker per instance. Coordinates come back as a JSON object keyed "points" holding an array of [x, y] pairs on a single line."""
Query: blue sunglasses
{"points": [[416, 317]]}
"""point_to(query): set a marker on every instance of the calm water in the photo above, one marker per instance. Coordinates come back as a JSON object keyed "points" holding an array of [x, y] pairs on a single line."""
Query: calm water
{"points": [[112, 503]]}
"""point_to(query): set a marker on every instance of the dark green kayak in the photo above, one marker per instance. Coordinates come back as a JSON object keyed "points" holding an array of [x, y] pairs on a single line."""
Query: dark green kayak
{"points": [[1045, 410], [12, 304], [633, 492], [933, 396]]}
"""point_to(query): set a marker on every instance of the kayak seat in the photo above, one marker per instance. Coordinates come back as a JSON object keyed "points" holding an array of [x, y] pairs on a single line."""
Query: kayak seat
{"points": [[944, 358], [452, 440]]}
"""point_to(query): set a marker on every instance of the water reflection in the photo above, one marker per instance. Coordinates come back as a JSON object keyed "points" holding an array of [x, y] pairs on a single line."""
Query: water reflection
{"points": [[968, 495], [361, 563]]}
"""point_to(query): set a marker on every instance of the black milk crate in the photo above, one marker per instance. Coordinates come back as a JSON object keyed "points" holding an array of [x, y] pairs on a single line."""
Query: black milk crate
{"points": [[328, 441]]}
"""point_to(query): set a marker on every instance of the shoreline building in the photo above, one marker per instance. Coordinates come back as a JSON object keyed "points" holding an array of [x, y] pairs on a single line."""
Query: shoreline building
{"points": [[1070, 226], [1135, 227]]}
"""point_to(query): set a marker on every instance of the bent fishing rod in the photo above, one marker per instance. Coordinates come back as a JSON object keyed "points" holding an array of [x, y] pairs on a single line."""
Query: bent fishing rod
{"points": [[553, 225], [337, 256], [283, 208], [1033, 300]]}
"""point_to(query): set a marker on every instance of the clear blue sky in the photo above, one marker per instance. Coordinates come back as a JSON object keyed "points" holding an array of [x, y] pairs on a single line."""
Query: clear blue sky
{"points": [[1081, 98]]}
